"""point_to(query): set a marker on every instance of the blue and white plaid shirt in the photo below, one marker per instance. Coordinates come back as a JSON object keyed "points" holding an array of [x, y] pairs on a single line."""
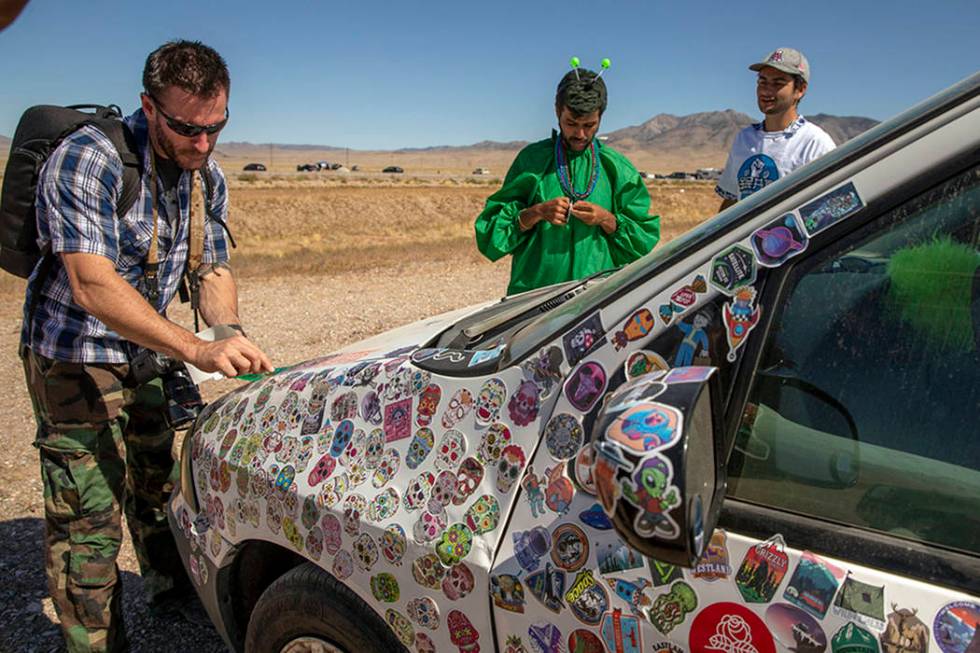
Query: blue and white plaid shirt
{"points": [[76, 199]]}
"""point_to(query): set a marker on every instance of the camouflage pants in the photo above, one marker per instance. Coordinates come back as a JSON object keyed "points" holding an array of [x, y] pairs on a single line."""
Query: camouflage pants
{"points": [[104, 447]]}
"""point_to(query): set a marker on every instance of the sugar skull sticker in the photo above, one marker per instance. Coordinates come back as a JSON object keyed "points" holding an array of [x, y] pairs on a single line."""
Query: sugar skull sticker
{"points": [[387, 468], [455, 544], [429, 526], [509, 467], [383, 506], [332, 537], [365, 552], [492, 443], [343, 565], [459, 407], [468, 478], [417, 492], [428, 571], [384, 588], [484, 515], [419, 448], [374, 448], [462, 633], [341, 438], [428, 404], [401, 626], [424, 612], [489, 401], [452, 448]]}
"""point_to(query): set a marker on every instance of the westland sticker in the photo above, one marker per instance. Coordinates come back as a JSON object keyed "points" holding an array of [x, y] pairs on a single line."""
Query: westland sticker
{"points": [[813, 585], [730, 628], [957, 627], [762, 570], [779, 241], [830, 209], [713, 563]]}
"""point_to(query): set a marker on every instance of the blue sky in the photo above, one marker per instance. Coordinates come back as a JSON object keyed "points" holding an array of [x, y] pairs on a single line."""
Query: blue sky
{"points": [[385, 75]]}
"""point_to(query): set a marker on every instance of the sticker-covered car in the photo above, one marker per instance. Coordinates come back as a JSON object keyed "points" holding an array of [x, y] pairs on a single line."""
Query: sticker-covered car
{"points": [[762, 436]]}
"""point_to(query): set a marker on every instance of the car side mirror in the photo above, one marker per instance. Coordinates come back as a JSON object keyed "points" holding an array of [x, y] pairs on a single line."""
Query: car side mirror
{"points": [[659, 467]]}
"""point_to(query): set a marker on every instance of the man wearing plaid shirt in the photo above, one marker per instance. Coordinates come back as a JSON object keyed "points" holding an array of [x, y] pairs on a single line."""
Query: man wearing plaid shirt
{"points": [[104, 439]]}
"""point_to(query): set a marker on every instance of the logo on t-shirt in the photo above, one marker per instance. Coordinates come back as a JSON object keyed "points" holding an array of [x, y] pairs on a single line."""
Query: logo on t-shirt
{"points": [[757, 172]]}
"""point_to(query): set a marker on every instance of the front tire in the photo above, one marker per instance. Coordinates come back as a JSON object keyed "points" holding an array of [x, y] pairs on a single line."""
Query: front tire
{"points": [[306, 610]]}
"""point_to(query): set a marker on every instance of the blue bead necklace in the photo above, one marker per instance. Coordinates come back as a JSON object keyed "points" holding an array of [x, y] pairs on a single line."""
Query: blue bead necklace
{"points": [[564, 170]]}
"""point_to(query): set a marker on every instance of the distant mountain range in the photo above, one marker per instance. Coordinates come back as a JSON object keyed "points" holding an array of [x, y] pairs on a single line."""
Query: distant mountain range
{"points": [[699, 138]]}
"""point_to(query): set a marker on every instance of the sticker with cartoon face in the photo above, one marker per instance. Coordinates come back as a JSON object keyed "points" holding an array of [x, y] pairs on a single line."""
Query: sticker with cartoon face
{"points": [[544, 370], [585, 386], [387, 468], [570, 547], [740, 316], [343, 565], [582, 469], [374, 448], [365, 552], [489, 401], [563, 436], [582, 339], [468, 478], [524, 404], [344, 407], [459, 407], [507, 592], [509, 467], [383, 506], [424, 612], [646, 427], [393, 544], [455, 544], [384, 588], [484, 515], [398, 420], [419, 381], [341, 438], [429, 526], [461, 632], [419, 448], [458, 581], [492, 443], [332, 538], [428, 404], [670, 609], [401, 626], [428, 571], [418, 490], [451, 449]]}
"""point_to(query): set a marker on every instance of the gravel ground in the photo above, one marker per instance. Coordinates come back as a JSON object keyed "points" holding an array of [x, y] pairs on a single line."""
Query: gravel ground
{"points": [[292, 319]]}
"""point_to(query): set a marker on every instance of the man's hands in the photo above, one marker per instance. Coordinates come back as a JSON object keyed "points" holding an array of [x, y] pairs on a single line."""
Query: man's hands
{"points": [[556, 212], [230, 356]]}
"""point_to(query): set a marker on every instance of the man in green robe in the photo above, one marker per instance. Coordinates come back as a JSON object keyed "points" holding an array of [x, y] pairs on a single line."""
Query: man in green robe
{"points": [[569, 206]]}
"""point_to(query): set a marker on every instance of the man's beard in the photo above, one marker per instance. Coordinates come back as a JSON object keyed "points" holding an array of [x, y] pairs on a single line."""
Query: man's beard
{"points": [[169, 151]]}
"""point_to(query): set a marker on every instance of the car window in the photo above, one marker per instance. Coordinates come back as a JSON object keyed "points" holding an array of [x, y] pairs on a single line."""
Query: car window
{"points": [[865, 404]]}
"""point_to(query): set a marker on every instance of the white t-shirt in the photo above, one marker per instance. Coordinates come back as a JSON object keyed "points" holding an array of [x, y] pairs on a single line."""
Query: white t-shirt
{"points": [[758, 158]]}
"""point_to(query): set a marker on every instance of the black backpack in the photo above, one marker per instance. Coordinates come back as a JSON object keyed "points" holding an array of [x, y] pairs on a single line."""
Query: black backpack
{"points": [[40, 130]]}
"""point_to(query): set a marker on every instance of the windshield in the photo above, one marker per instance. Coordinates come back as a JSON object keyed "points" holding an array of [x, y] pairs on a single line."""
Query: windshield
{"points": [[596, 296]]}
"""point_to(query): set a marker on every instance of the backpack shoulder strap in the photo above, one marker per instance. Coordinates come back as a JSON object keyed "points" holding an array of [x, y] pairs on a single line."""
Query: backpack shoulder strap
{"points": [[125, 143]]}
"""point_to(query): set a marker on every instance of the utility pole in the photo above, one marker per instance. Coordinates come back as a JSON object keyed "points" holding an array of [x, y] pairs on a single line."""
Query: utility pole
{"points": [[270, 156]]}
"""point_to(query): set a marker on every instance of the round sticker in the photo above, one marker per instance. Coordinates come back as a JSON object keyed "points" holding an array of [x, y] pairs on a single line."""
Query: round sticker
{"points": [[730, 628], [564, 436], [795, 629], [570, 548], [957, 627]]}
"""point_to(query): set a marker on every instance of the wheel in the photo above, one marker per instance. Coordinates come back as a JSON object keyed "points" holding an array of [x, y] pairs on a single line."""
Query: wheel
{"points": [[307, 611]]}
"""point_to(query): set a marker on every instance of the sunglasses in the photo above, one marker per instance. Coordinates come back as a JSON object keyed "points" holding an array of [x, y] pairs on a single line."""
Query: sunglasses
{"points": [[187, 129]]}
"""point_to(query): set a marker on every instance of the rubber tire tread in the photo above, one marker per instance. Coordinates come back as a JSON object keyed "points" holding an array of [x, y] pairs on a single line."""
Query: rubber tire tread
{"points": [[307, 600]]}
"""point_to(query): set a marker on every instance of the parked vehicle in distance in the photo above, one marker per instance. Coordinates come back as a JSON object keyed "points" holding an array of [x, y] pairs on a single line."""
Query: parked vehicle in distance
{"points": [[708, 173], [254, 167], [394, 169], [760, 437], [481, 171], [645, 175], [680, 175], [323, 165], [307, 167], [354, 168]]}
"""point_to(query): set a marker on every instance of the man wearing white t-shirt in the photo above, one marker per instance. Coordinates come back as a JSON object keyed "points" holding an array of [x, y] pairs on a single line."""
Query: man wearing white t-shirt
{"points": [[784, 141]]}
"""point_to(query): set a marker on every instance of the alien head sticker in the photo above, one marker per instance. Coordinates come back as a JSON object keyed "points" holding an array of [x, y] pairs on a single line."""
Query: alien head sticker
{"points": [[779, 240], [649, 489], [740, 316]]}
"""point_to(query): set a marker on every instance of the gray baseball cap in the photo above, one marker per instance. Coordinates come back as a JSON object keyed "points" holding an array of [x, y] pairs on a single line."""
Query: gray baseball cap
{"points": [[787, 60]]}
